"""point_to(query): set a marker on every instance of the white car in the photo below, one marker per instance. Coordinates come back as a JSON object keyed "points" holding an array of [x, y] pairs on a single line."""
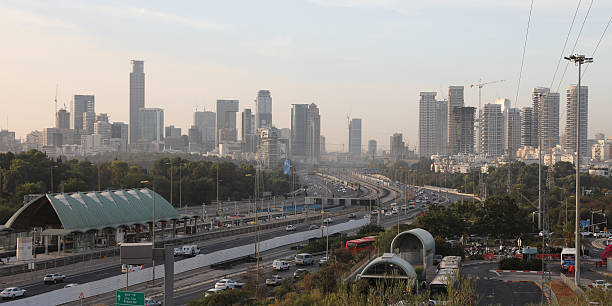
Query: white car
{"points": [[290, 228], [54, 278], [212, 291], [274, 281], [322, 261], [280, 265], [226, 283], [132, 268], [329, 220], [12, 292], [152, 302], [71, 285]]}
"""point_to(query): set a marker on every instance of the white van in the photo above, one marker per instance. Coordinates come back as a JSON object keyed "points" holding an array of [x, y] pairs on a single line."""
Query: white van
{"points": [[190, 250], [280, 265], [303, 259]]}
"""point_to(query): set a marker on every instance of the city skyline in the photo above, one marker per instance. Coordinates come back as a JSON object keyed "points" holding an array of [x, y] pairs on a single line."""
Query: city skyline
{"points": [[174, 77]]}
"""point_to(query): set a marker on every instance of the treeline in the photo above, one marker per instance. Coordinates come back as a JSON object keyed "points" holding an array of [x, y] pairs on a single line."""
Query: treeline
{"points": [[33, 173], [558, 188]]}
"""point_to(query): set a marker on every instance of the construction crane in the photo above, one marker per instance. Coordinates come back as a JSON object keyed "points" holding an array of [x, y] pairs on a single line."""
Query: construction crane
{"points": [[481, 84]]}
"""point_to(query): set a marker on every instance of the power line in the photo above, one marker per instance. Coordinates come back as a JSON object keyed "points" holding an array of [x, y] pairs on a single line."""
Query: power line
{"points": [[518, 86], [565, 44], [586, 16], [598, 42]]}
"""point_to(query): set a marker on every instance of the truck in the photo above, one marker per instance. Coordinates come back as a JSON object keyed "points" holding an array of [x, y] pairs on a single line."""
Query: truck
{"points": [[190, 250]]}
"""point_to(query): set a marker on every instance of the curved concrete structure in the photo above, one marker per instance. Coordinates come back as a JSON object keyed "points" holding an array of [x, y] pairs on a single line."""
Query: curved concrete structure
{"points": [[387, 266], [416, 246]]}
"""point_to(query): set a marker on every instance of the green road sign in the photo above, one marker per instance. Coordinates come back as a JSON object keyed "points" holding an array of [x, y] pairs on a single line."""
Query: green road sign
{"points": [[129, 298]]}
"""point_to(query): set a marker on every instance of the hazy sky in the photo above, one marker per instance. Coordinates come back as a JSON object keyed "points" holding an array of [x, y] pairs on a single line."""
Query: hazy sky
{"points": [[364, 58]]}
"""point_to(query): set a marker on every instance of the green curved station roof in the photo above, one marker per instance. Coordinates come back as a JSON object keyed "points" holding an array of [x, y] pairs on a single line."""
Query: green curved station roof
{"points": [[95, 210]]}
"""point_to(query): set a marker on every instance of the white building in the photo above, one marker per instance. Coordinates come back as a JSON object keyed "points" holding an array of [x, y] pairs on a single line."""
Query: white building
{"points": [[492, 130]]}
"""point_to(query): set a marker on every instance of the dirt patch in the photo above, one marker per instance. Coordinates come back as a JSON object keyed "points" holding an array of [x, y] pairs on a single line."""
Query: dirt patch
{"points": [[564, 294]]}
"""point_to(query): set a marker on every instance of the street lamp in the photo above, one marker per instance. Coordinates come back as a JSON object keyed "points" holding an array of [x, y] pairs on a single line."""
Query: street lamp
{"points": [[578, 59], [52, 177], [153, 223]]}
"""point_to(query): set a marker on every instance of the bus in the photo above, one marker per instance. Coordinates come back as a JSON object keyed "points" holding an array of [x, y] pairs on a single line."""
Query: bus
{"points": [[358, 245], [568, 258], [450, 262]]}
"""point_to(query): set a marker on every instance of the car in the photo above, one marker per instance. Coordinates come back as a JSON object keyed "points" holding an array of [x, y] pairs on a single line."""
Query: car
{"points": [[600, 283], [152, 302], [190, 250], [71, 285], [313, 227], [329, 220], [299, 273], [12, 292], [290, 228], [352, 216], [274, 281], [212, 291], [388, 213], [374, 212], [178, 252], [132, 268], [227, 283], [280, 265], [323, 260], [303, 259], [54, 278]]}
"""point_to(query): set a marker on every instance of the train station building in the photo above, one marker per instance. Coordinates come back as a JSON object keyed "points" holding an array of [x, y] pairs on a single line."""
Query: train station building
{"points": [[84, 220]]}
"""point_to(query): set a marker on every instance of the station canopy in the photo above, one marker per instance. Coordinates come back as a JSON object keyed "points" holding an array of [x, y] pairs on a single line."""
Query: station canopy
{"points": [[96, 210]]}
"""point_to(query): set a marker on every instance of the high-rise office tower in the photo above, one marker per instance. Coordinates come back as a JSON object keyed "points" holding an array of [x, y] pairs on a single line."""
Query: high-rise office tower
{"points": [[355, 139], [151, 122], [430, 131], [102, 117], [62, 119], [463, 139], [206, 122], [545, 117], [89, 118], [248, 133], [104, 129], [398, 147], [492, 130], [137, 99], [299, 123], [313, 134], [527, 128], [226, 121], [572, 114], [120, 130], [372, 149], [172, 131], [455, 100], [79, 105], [322, 144], [270, 147], [512, 131], [263, 113], [442, 127]]}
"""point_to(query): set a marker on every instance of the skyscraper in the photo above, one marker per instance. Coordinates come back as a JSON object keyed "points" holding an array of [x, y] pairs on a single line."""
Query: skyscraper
{"points": [[263, 113], [322, 144], [137, 99], [79, 105], [397, 145], [226, 121], [299, 118], [429, 129], [455, 100], [248, 133], [206, 123], [545, 117], [372, 149], [313, 134], [119, 130], [572, 114], [512, 131], [463, 139], [62, 119], [527, 128], [355, 139], [492, 130], [89, 119], [151, 122]]}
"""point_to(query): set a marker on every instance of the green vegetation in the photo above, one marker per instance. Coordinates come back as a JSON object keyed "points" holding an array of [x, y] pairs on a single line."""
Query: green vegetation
{"points": [[30, 173], [512, 263]]}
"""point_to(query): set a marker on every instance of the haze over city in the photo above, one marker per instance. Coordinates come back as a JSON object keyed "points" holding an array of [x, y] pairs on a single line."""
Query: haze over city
{"points": [[365, 59]]}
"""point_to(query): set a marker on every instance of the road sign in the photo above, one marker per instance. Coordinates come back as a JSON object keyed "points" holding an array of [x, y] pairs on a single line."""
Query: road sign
{"points": [[585, 223], [287, 167], [129, 298]]}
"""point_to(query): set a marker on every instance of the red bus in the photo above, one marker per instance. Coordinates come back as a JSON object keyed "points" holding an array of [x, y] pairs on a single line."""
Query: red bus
{"points": [[358, 245]]}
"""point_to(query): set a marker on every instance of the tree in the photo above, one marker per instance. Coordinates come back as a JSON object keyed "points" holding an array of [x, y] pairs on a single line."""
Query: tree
{"points": [[502, 218]]}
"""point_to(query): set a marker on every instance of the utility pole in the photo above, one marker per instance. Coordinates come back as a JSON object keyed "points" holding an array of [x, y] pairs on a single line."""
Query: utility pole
{"points": [[540, 163], [578, 59], [218, 189]]}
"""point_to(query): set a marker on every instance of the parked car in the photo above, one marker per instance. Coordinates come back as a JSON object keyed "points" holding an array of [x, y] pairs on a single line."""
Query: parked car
{"points": [[280, 265], [290, 228], [303, 259], [274, 281], [299, 273], [54, 278], [227, 283], [152, 302], [12, 292]]}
